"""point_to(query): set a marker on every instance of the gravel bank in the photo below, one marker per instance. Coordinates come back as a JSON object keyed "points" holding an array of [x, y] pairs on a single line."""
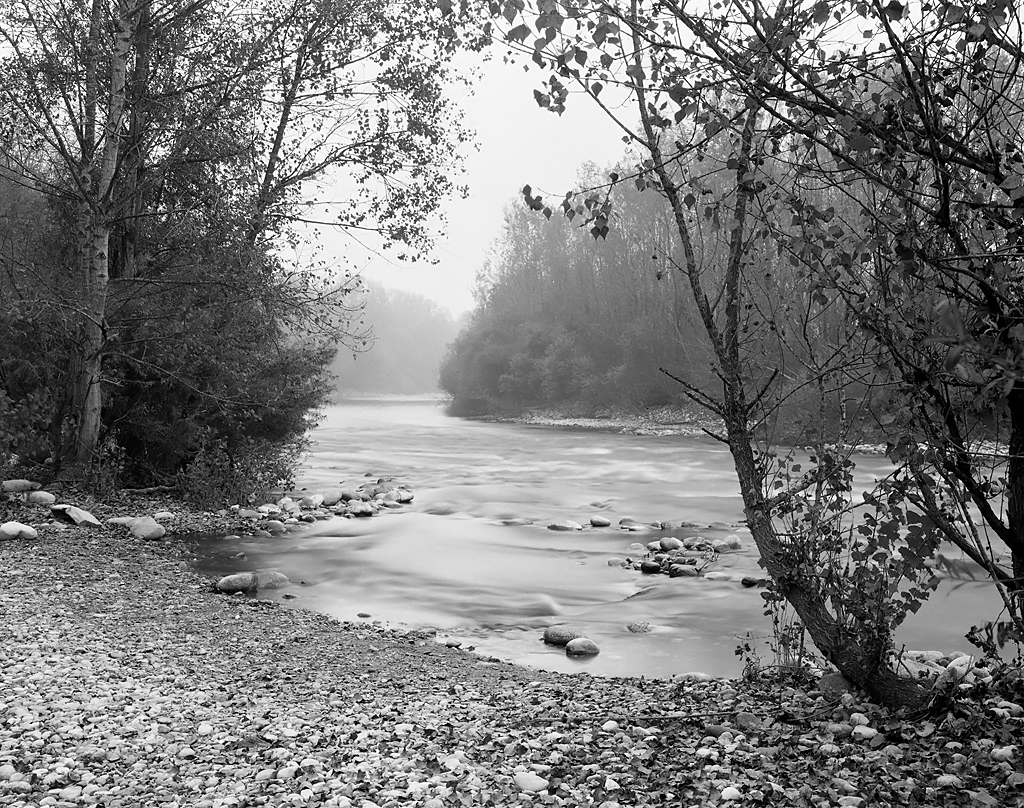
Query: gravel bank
{"points": [[126, 681]]}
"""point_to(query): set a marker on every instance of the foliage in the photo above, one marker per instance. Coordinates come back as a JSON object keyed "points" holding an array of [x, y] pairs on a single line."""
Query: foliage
{"points": [[220, 475], [154, 234]]}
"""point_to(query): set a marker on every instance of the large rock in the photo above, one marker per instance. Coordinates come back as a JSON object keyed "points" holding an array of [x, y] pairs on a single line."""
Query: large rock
{"points": [[561, 634], [40, 498], [312, 501], [238, 582], [75, 516], [17, 530], [581, 646], [148, 529], [670, 543], [565, 524], [331, 498], [273, 526], [19, 486], [271, 579], [600, 521]]}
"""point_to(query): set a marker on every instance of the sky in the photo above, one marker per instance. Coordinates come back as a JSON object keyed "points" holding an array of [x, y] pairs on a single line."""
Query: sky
{"points": [[518, 144]]}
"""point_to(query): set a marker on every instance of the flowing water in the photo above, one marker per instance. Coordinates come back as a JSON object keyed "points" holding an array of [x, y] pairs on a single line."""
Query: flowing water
{"points": [[447, 560]]}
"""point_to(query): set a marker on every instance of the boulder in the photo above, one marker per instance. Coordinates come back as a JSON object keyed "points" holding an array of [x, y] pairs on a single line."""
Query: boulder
{"points": [[650, 567], [19, 486], [683, 571], [733, 541], [270, 579], [581, 646], [148, 529], [600, 521], [331, 498], [561, 634], [312, 501], [238, 582], [405, 496], [16, 530], [360, 508], [274, 527], [565, 524], [671, 543], [75, 516], [348, 495], [40, 498]]}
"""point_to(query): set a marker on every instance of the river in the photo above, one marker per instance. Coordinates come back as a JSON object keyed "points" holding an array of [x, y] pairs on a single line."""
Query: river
{"points": [[446, 560]]}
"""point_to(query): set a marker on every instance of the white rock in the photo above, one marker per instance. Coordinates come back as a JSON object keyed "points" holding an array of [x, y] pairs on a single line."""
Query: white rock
{"points": [[600, 521], [530, 782], [731, 793], [565, 524], [862, 733], [163, 516], [148, 529], [74, 515], [1001, 753], [19, 486], [239, 582], [949, 780], [16, 530], [40, 498]]}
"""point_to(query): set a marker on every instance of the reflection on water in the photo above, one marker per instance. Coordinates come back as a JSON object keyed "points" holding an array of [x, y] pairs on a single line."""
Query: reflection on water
{"points": [[496, 587]]}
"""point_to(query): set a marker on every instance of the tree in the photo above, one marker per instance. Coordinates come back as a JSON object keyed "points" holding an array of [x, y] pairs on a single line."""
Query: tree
{"points": [[189, 140], [710, 88]]}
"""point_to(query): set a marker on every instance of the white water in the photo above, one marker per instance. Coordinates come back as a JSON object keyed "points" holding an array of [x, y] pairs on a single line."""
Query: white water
{"points": [[446, 560]]}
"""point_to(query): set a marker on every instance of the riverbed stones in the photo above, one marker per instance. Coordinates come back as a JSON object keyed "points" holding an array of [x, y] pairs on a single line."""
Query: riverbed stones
{"points": [[274, 527], [565, 524], [561, 634], [650, 567], [147, 529], [74, 515], [271, 579], [600, 521], [19, 486], [244, 582], [9, 531], [581, 647], [683, 571], [40, 498], [670, 543]]}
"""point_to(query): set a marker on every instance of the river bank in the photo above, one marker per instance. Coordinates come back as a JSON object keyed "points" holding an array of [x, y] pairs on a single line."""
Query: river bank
{"points": [[126, 680]]}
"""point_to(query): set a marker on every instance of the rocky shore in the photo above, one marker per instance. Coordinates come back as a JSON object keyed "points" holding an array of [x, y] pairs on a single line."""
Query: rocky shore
{"points": [[126, 679]]}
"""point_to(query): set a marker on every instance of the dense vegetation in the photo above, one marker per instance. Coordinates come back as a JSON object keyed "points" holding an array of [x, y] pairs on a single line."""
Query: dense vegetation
{"points": [[160, 163], [410, 335]]}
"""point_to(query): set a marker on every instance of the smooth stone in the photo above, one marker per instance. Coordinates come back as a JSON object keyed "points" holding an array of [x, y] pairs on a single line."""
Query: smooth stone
{"points": [[270, 579], [654, 546], [565, 524], [238, 582], [248, 513], [360, 508], [273, 526], [348, 495], [671, 543], [650, 567], [749, 581], [529, 782], [733, 541], [312, 501], [331, 498], [164, 516], [74, 515], [581, 646], [17, 530], [683, 571], [718, 576], [627, 520], [600, 521], [517, 521], [19, 486], [615, 562], [40, 498], [405, 496], [561, 634], [148, 529]]}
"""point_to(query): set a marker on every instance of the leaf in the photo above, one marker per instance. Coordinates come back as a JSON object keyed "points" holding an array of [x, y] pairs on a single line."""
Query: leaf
{"points": [[595, 88], [518, 34], [894, 10], [821, 12], [861, 143]]}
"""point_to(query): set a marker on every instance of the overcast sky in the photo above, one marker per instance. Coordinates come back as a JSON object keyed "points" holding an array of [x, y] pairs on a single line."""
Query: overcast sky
{"points": [[519, 144]]}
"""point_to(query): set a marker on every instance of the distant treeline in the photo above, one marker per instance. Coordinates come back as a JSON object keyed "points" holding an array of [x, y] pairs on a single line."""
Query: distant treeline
{"points": [[409, 335], [567, 321]]}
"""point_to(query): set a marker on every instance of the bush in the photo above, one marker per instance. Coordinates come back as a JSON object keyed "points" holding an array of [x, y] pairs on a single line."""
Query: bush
{"points": [[220, 476]]}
